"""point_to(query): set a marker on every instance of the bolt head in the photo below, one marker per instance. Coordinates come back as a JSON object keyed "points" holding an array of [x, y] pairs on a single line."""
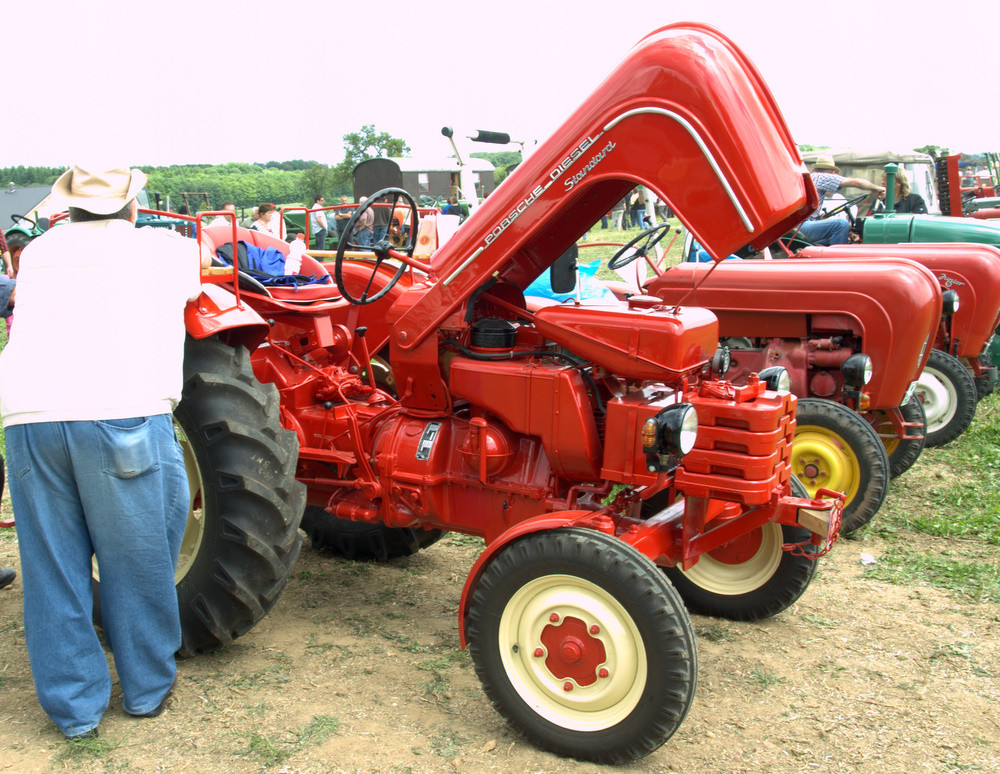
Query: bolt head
{"points": [[603, 672], [595, 629], [554, 618], [567, 686], [539, 652]]}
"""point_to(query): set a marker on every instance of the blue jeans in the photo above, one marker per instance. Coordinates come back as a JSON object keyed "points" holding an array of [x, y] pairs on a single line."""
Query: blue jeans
{"points": [[831, 231], [380, 232], [363, 238], [116, 489]]}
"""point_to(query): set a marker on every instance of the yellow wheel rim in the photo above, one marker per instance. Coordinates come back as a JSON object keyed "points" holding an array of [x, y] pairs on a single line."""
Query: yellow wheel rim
{"points": [[885, 429], [195, 529], [822, 459], [572, 653]]}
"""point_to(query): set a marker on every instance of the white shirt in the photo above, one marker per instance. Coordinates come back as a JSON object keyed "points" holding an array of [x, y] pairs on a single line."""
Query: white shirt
{"points": [[99, 327], [317, 220]]}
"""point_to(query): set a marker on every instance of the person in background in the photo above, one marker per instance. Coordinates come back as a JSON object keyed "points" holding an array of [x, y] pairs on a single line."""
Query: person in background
{"points": [[96, 471], [8, 265], [364, 227], [341, 217], [264, 220], [905, 200], [317, 223], [222, 219], [828, 181]]}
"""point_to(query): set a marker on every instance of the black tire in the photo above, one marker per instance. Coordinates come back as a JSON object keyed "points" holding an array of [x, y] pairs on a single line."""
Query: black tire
{"points": [[986, 384], [948, 393], [239, 555], [902, 454], [587, 579], [362, 540], [766, 581], [835, 448]]}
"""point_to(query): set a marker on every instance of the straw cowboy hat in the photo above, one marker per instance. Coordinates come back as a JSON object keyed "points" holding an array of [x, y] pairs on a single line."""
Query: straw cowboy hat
{"points": [[824, 163], [100, 191]]}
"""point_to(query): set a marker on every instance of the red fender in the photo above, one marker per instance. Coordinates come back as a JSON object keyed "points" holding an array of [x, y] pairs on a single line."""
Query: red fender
{"points": [[215, 311], [554, 520]]}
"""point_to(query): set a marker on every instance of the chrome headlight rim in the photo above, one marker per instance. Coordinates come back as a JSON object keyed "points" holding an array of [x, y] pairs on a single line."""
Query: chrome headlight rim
{"points": [[950, 303], [857, 370], [776, 378]]}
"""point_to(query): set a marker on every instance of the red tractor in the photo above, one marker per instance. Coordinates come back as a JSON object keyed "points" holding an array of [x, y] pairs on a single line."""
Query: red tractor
{"points": [[853, 337], [610, 471], [959, 371]]}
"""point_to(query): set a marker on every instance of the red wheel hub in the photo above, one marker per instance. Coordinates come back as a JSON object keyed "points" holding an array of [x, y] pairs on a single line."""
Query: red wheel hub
{"points": [[572, 652], [740, 550]]}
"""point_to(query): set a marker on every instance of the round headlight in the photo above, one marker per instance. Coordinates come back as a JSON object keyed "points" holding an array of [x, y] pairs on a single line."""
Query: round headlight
{"points": [[721, 361], [857, 370], [672, 431], [776, 378], [949, 303]]}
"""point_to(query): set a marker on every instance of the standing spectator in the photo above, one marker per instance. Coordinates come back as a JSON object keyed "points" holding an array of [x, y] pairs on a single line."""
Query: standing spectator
{"points": [[364, 227], [264, 220], [341, 217], [828, 180], [317, 223], [96, 470], [381, 215]]}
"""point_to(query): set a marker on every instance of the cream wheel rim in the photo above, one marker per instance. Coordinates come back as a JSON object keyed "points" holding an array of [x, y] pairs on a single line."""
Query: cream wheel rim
{"points": [[581, 683]]}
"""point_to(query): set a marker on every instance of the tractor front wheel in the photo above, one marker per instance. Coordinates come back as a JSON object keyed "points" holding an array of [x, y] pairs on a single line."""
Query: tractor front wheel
{"points": [[752, 577], [583, 645], [948, 392], [835, 448]]}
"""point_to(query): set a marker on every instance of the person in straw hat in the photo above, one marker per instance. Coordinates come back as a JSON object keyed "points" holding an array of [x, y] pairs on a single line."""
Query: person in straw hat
{"points": [[88, 382], [828, 181]]}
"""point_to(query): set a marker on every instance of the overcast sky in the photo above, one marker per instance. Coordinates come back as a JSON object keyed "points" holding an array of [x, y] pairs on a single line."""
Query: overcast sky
{"points": [[209, 82]]}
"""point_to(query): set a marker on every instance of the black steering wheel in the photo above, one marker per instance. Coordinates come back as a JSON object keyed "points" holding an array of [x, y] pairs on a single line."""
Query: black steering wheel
{"points": [[638, 247], [16, 219], [842, 206], [383, 249]]}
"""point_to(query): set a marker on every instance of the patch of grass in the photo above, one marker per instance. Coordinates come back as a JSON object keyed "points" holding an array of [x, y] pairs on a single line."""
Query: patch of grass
{"points": [[764, 678], [447, 744], [817, 620], [276, 749], [82, 749], [714, 632], [973, 579]]}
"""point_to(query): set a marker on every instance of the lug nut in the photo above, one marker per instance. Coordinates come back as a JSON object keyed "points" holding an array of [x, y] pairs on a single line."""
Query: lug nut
{"points": [[554, 618], [603, 672], [568, 686], [595, 629], [539, 652]]}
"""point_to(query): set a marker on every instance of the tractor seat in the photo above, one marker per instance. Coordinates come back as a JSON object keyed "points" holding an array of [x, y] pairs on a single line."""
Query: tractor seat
{"points": [[216, 236]]}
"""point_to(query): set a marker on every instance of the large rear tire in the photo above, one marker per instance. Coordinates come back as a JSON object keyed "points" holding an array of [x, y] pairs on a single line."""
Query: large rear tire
{"points": [[243, 536], [835, 448], [583, 645], [948, 392], [750, 578]]}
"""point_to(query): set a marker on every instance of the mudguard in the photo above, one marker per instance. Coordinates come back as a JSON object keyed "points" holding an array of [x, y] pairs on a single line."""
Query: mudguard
{"points": [[893, 305], [215, 312], [971, 270]]}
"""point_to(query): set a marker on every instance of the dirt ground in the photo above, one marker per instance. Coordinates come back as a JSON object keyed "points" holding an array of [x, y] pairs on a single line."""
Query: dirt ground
{"points": [[357, 669]]}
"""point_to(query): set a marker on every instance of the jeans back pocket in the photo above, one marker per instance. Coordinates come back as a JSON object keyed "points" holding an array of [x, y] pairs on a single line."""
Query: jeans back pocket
{"points": [[127, 447]]}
